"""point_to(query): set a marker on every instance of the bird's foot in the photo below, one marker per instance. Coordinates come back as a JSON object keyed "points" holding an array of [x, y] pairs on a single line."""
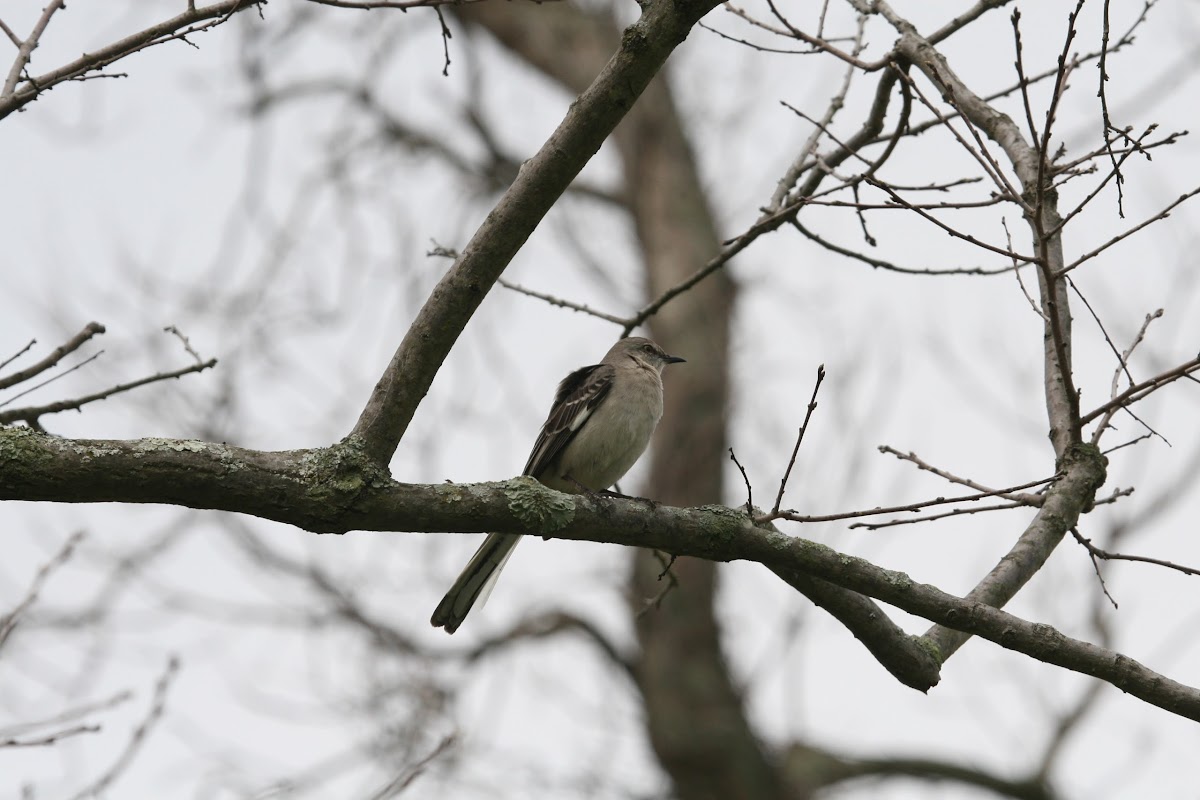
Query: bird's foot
{"points": [[617, 494]]}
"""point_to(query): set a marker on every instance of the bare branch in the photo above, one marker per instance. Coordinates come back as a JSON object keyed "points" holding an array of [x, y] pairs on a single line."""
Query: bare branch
{"points": [[402, 5], [73, 344], [812, 406], [157, 705], [1104, 555], [74, 713], [1122, 366], [871, 512], [414, 771], [31, 414], [25, 48], [551, 624], [9, 622], [561, 303], [193, 20], [187, 345], [1140, 390], [745, 480], [957, 512], [879, 263], [18, 354], [1161, 215], [48, 739], [793, 173], [913, 458]]}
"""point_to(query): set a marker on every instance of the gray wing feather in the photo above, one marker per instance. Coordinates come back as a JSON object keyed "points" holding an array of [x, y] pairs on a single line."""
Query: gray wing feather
{"points": [[577, 397]]}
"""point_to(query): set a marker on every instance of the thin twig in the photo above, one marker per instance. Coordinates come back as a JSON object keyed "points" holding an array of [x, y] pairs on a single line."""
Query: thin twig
{"points": [[56, 355], [18, 354], [957, 512], [793, 173], [871, 512], [879, 263], [9, 621], [52, 379], [865, 66], [50, 738], [158, 704], [952, 231], [1122, 366], [32, 413], [1161, 215], [913, 458], [1016, 268], [403, 5], [193, 20], [63, 717], [812, 406], [672, 583], [1138, 391], [746, 480], [561, 303], [411, 773], [1095, 556], [187, 345], [1107, 556]]}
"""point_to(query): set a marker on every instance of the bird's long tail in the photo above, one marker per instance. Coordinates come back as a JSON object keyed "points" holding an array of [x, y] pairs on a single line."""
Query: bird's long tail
{"points": [[476, 581]]}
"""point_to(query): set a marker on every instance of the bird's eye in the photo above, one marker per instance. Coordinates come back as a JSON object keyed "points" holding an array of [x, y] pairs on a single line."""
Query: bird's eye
{"points": [[649, 348]]}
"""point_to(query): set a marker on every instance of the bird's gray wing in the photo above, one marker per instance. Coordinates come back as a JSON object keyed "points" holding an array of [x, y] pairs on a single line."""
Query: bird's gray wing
{"points": [[579, 394]]}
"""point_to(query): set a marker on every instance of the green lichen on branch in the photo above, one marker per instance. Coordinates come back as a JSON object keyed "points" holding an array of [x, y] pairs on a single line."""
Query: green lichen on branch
{"points": [[337, 476], [542, 510]]}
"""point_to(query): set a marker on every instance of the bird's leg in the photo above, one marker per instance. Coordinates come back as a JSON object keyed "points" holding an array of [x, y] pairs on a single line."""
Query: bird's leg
{"points": [[590, 492], [617, 494]]}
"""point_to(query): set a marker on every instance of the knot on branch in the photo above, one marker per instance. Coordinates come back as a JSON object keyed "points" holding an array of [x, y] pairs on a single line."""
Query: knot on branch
{"points": [[1090, 465], [542, 510], [337, 476], [1047, 198]]}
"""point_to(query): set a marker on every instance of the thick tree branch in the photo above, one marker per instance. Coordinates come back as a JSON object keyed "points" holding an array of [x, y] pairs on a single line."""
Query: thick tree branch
{"points": [[341, 489], [908, 658], [820, 769]]}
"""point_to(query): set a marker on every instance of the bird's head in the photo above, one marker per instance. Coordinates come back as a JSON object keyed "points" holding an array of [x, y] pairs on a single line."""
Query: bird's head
{"points": [[643, 351]]}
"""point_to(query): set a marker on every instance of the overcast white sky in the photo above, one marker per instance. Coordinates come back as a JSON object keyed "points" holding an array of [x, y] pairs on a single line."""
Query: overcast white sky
{"points": [[148, 201]]}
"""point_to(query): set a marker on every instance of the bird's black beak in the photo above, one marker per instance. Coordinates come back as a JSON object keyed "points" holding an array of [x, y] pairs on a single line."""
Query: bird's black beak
{"points": [[674, 360]]}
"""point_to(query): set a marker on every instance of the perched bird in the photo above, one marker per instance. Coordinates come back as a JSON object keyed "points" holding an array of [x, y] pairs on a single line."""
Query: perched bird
{"points": [[599, 425]]}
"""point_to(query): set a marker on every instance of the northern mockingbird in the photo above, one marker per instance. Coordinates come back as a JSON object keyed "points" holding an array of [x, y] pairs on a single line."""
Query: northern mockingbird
{"points": [[599, 425]]}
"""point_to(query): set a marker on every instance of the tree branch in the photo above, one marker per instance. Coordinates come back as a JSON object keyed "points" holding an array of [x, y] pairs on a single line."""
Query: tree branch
{"points": [[340, 489], [56, 355], [193, 20], [644, 48]]}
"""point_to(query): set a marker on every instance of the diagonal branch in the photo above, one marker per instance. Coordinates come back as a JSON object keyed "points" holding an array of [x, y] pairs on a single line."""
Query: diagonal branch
{"points": [[55, 356], [644, 48]]}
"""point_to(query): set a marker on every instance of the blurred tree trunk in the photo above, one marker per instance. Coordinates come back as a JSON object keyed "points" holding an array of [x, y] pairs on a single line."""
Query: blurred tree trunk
{"points": [[695, 718]]}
